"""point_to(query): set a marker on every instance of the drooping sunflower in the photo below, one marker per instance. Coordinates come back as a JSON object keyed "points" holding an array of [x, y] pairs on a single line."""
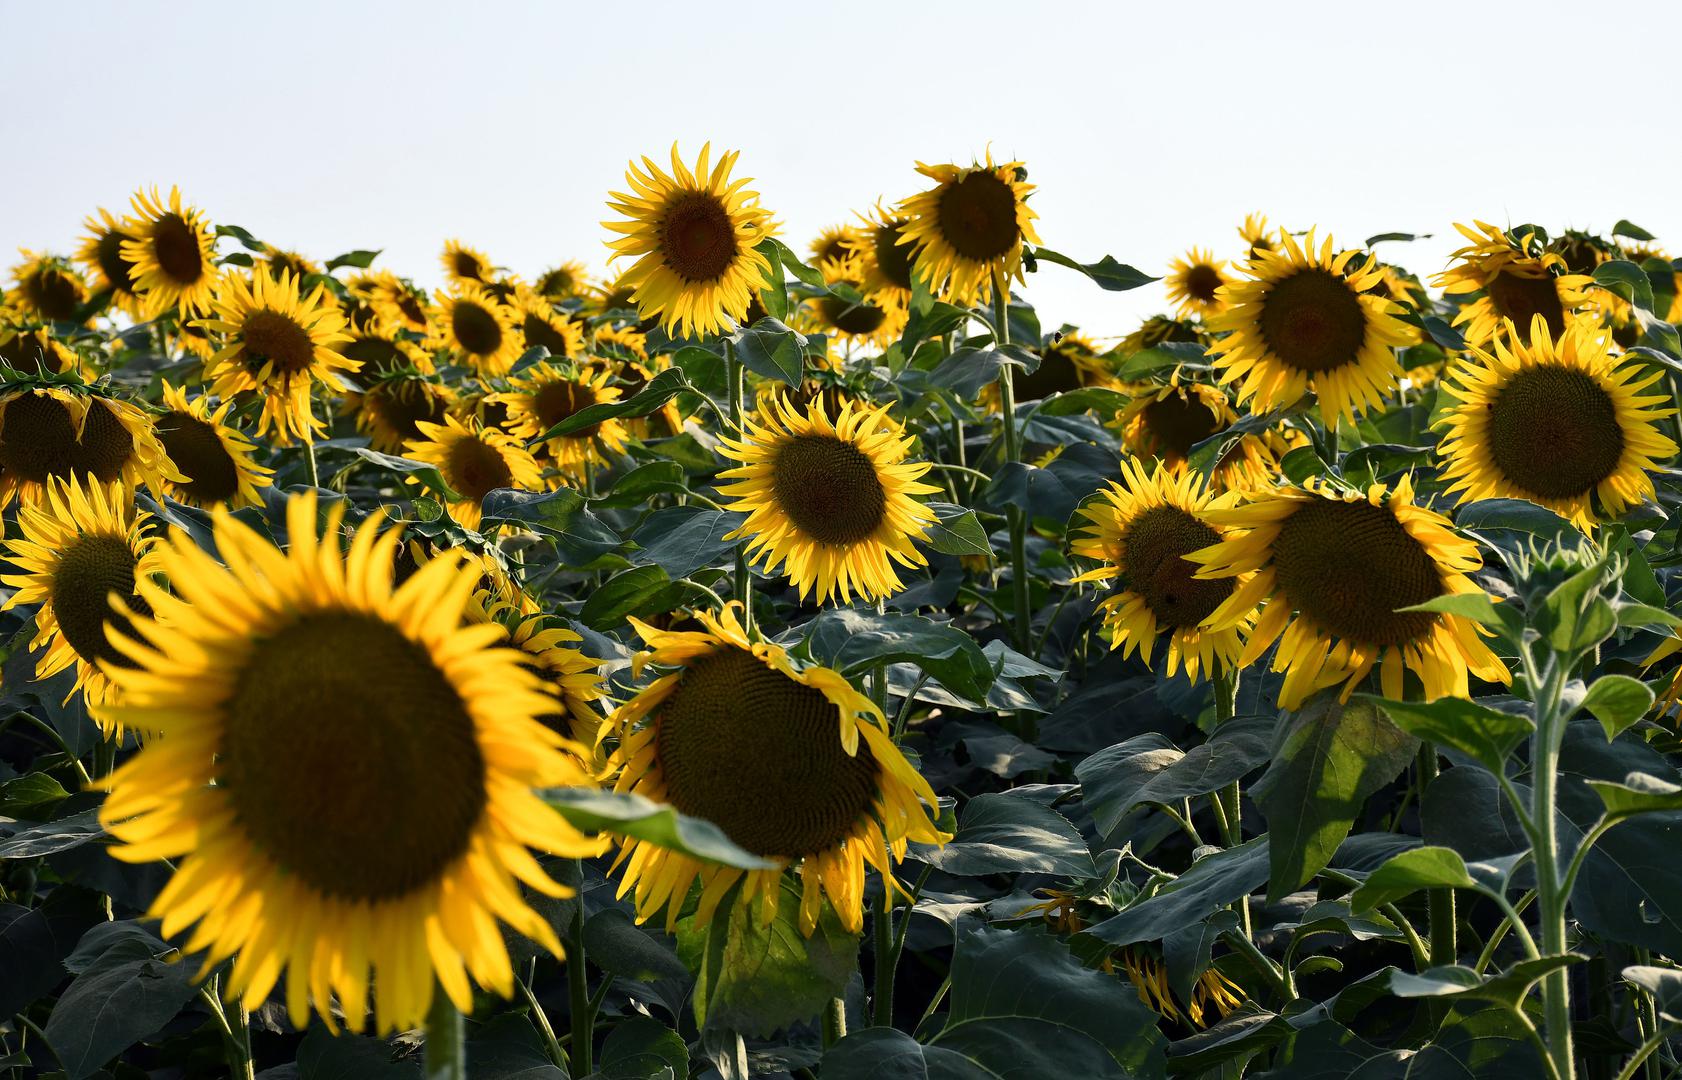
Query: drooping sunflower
{"points": [[693, 236], [1166, 422], [78, 546], [1069, 361], [792, 763], [171, 253], [873, 319], [377, 355], [477, 328], [622, 339], [1194, 282], [464, 265], [278, 345], [1332, 569], [102, 254], [562, 281], [887, 262], [33, 348], [969, 228], [1142, 529], [1305, 320], [1516, 280], [541, 323], [831, 501], [390, 409], [571, 678], [474, 461], [1582, 251], [400, 303], [544, 395], [1557, 421], [49, 432], [216, 458], [48, 287], [1156, 330], [379, 848], [1257, 236]]}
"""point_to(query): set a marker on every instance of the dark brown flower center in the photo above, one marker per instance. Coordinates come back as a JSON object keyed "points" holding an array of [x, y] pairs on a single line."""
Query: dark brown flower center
{"points": [[759, 755], [413, 312], [1349, 565], [697, 237], [475, 328], [86, 574], [558, 400], [466, 266], [978, 216], [538, 331], [54, 294], [270, 336], [376, 356], [117, 270], [176, 245], [1179, 422], [1520, 297], [1201, 281], [350, 759], [1153, 565], [829, 489], [400, 404], [197, 451], [893, 260], [1056, 374], [32, 350], [475, 469], [1554, 432], [851, 318], [39, 441], [1313, 321]]}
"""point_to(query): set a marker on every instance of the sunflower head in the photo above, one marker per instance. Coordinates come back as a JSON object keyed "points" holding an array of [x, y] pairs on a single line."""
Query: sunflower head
{"points": [[1194, 283], [48, 288], [474, 461], [391, 409], [464, 265], [791, 762], [851, 317], [544, 395], [832, 501], [1257, 236], [278, 261], [968, 230], [101, 254], [1581, 251], [541, 323], [171, 253], [480, 330], [32, 349], [887, 263], [401, 304], [1168, 422], [1555, 420], [836, 247], [1156, 330], [562, 281], [1511, 279], [692, 234], [55, 431], [216, 458]]}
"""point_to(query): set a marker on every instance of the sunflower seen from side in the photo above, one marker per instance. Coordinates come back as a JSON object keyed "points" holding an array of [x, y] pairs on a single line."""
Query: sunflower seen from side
{"points": [[830, 501], [852, 318], [792, 763], [474, 461], [1068, 361], [563, 281], [59, 432], [835, 247], [374, 854], [1556, 421], [401, 304], [465, 265], [1332, 570], [32, 349], [541, 323], [480, 330], [692, 234], [886, 263], [625, 342], [544, 395], [1194, 283], [968, 230], [77, 547], [390, 409], [277, 345], [101, 254], [48, 288], [550, 651], [172, 254], [217, 460], [1257, 236], [1510, 280], [1306, 319], [1141, 530], [1166, 422]]}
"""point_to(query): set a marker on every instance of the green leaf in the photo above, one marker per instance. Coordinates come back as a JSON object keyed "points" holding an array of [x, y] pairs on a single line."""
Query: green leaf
{"points": [[361, 258], [1665, 984], [1149, 769], [617, 945], [509, 1048], [1001, 833], [1617, 701], [857, 641], [1213, 882], [1408, 872], [53, 836], [956, 531], [1330, 1051], [1640, 793], [1630, 229], [683, 539], [1627, 280], [426, 474], [34, 942], [1096, 399], [1477, 1042], [638, 486], [1486, 735], [655, 393], [1508, 987], [770, 349], [324, 1056], [777, 252], [639, 1048], [128, 993], [1575, 616], [1169, 354], [1109, 275], [640, 590], [244, 237], [1327, 760], [32, 796], [1644, 615], [627, 814], [1476, 606], [562, 515], [1516, 515], [967, 370]]}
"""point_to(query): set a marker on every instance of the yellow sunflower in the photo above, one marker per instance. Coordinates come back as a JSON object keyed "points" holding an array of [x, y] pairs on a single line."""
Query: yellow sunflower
{"points": [[792, 763], [1167, 422], [380, 849], [876, 319], [377, 355], [390, 409], [836, 247], [1070, 362], [693, 236], [560, 282], [79, 545], [573, 680], [1142, 529], [613, 294], [171, 253], [541, 323], [831, 501], [216, 458], [1305, 320], [278, 261], [1157, 330], [49, 432], [1257, 236], [621, 339], [1557, 421], [33, 348], [47, 287], [471, 323], [102, 254], [970, 226], [474, 461], [544, 395], [1515, 279], [401, 304], [278, 345], [887, 262], [464, 265], [1194, 283], [1332, 569], [632, 376]]}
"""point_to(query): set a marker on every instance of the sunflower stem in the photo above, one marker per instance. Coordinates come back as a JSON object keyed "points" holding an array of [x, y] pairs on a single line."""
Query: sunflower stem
{"points": [[236, 1044], [886, 957], [578, 985], [1548, 683], [744, 574], [1018, 521], [1444, 946], [834, 1022], [446, 1039], [309, 456], [1227, 805]]}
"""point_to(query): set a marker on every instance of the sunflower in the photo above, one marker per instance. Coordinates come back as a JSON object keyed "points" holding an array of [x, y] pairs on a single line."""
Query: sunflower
{"points": [[563, 281], [377, 355], [1194, 282], [474, 461], [1516, 280], [1557, 421], [887, 262], [835, 248], [1141, 530], [49, 432], [544, 395], [620, 339], [278, 345], [1306, 321], [693, 236], [1257, 236], [541, 323], [278, 261], [831, 501], [33, 348], [380, 848], [573, 680], [1581, 252], [102, 254], [216, 458], [1157, 330], [1213, 992], [171, 253], [401, 304], [390, 409], [1069, 361], [614, 294], [1333, 569], [48, 287], [474, 325], [969, 228], [1166, 422], [792, 763], [464, 265], [632, 376], [875, 319], [79, 545]]}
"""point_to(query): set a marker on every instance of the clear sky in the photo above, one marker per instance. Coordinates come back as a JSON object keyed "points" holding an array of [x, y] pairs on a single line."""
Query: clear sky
{"points": [[327, 126]]}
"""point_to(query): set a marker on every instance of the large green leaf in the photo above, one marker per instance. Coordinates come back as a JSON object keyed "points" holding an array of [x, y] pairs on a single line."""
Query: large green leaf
{"points": [[35, 941], [683, 539], [1410, 871], [1212, 882], [561, 515], [858, 641], [126, 993], [1001, 833], [639, 1048], [656, 392], [1108, 274], [772, 350], [1484, 734], [957, 532], [629, 814], [509, 1048], [1150, 769]]}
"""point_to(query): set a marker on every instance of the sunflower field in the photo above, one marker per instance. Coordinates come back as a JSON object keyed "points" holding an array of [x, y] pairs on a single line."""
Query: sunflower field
{"points": [[813, 661]]}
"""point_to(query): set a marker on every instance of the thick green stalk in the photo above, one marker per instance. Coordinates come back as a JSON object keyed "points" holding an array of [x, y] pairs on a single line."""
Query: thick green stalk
{"points": [[1445, 946], [1551, 898], [578, 985], [1014, 515], [744, 574], [886, 955], [446, 1039], [834, 1022]]}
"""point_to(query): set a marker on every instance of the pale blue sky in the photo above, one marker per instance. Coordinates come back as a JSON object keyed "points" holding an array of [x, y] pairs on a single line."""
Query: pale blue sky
{"points": [[1149, 128]]}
